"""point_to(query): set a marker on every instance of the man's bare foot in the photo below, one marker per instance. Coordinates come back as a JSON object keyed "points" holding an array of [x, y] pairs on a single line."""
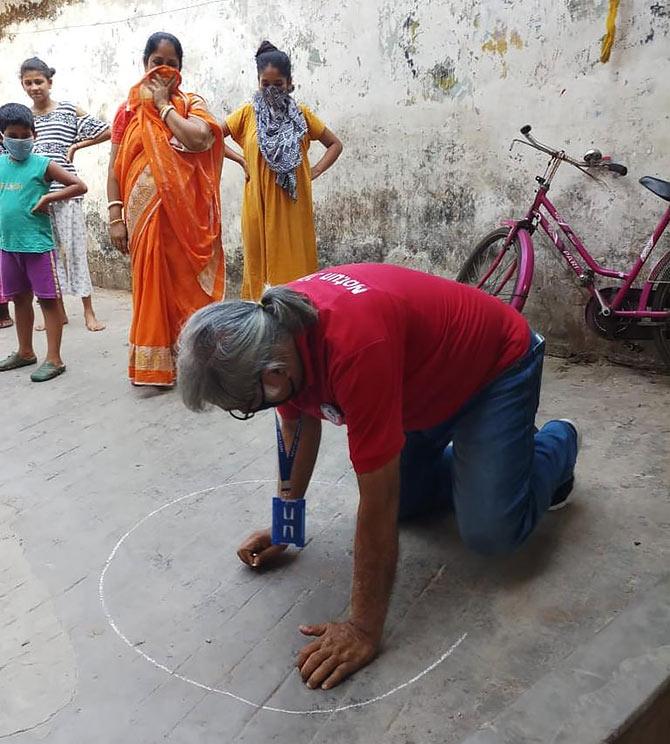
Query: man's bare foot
{"points": [[92, 323], [6, 322]]}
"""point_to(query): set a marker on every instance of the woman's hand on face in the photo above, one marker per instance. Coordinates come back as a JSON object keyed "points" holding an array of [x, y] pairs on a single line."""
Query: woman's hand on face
{"points": [[161, 90]]}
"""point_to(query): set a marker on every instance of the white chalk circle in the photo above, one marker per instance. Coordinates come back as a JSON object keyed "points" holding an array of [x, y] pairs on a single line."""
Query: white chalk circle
{"points": [[174, 672]]}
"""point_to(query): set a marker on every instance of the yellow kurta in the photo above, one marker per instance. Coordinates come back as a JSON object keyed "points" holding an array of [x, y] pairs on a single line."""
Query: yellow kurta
{"points": [[277, 232]]}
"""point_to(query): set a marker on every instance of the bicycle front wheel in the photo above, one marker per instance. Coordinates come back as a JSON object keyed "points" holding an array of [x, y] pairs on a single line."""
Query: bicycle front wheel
{"points": [[662, 302], [496, 269]]}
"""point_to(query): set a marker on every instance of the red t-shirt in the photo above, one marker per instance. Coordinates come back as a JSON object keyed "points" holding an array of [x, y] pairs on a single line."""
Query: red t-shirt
{"points": [[397, 350]]}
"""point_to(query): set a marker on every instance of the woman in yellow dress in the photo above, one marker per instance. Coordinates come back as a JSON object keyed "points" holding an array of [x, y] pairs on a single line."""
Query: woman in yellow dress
{"points": [[277, 216]]}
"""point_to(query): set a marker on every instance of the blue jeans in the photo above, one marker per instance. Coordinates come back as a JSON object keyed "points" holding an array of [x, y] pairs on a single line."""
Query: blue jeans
{"points": [[489, 462]]}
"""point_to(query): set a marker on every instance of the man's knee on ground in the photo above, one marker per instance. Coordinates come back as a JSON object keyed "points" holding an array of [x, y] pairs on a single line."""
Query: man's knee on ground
{"points": [[491, 539]]}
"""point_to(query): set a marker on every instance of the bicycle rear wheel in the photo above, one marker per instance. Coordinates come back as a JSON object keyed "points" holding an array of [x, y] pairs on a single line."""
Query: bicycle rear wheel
{"points": [[662, 302], [495, 269]]}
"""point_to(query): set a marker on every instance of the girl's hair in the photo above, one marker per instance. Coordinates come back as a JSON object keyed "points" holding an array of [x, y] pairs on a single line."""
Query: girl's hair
{"points": [[35, 64], [269, 56], [225, 347], [155, 39]]}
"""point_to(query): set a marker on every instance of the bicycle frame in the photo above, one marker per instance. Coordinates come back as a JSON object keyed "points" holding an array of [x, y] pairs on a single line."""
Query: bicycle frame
{"points": [[536, 217]]}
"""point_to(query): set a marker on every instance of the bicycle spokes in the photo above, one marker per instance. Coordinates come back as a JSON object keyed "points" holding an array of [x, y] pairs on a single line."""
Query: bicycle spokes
{"points": [[498, 279]]}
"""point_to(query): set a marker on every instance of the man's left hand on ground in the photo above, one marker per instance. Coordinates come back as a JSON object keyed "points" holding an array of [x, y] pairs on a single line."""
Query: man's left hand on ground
{"points": [[340, 650]]}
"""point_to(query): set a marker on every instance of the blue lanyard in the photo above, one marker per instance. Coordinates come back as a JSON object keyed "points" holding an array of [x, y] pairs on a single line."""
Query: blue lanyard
{"points": [[286, 459]]}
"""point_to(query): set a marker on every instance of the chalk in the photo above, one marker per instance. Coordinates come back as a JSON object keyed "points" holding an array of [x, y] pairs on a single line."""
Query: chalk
{"points": [[176, 674]]}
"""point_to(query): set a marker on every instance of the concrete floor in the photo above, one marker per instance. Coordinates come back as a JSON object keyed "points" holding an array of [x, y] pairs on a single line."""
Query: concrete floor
{"points": [[85, 458]]}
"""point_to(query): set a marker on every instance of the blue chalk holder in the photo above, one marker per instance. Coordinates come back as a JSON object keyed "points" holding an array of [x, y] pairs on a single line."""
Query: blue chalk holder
{"points": [[288, 522], [288, 515]]}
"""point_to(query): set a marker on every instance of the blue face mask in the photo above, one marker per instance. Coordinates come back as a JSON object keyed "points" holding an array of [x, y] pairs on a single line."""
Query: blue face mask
{"points": [[19, 149]]}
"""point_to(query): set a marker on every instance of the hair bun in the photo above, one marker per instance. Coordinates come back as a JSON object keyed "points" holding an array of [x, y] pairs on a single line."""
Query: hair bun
{"points": [[52, 71], [266, 46]]}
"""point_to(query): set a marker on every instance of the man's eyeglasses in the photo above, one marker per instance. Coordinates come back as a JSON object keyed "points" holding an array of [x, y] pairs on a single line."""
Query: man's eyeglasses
{"points": [[250, 412]]}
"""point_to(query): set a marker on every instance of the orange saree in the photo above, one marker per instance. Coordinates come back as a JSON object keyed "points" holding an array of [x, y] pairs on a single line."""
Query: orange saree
{"points": [[173, 215]]}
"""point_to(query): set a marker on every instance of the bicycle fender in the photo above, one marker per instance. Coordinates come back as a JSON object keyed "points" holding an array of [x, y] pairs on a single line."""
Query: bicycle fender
{"points": [[527, 257], [659, 268]]}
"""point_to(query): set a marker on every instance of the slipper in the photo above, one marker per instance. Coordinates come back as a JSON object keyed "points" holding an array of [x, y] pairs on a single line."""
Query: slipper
{"points": [[14, 361], [46, 371], [6, 323]]}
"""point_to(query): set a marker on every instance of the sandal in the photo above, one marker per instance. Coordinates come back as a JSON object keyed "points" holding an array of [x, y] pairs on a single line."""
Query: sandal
{"points": [[47, 371], [15, 361], [6, 323]]}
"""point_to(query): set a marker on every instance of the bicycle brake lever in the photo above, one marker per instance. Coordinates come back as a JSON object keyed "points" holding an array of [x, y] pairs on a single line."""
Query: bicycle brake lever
{"points": [[588, 173], [532, 146]]}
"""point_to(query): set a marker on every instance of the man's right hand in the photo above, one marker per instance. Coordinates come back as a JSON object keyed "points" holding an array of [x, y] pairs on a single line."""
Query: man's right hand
{"points": [[257, 550]]}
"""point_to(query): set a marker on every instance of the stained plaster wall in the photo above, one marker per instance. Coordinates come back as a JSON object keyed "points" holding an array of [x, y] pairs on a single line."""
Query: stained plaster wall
{"points": [[426, 96]]}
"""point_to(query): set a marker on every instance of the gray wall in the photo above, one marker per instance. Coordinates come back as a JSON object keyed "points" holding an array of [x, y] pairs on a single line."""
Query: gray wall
{"points": [[426, 96]]}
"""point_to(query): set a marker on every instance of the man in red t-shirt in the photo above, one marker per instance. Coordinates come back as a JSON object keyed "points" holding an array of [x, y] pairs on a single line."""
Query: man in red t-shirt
{"points": [[438, 385]]}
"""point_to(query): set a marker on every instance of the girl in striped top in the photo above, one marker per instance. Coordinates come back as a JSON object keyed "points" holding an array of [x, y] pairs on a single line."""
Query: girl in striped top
{"points": [[62, 129]]}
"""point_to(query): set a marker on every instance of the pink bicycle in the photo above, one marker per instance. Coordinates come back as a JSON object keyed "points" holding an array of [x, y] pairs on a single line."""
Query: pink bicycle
{"points": [[502, 263]]}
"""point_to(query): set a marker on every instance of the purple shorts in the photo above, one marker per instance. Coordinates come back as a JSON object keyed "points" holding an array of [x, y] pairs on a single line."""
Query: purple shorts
{"points": [[29, 272]]}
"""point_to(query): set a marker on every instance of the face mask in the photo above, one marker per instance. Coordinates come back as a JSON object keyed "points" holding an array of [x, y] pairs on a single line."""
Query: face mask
{"points": [[274, 97], [19, 149]]}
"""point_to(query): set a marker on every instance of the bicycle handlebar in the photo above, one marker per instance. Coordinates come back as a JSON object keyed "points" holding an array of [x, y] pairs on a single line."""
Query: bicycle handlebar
{"points": [[562, 155], [616, 168]]}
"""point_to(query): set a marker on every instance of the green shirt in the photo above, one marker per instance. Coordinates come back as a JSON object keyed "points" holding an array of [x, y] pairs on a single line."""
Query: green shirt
{"points": [[22, 185]]}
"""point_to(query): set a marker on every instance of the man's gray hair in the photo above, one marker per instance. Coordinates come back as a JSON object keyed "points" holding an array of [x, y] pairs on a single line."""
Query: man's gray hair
{"points": [[224, 348]]}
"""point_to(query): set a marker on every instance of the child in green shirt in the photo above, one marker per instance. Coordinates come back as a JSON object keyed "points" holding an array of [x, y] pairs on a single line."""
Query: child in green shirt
{"points": [[27, 250]]}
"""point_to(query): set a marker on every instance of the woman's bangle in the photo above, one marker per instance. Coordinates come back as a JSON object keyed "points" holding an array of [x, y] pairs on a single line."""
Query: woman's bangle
{"points": [[115, 204], [116, 222], [165, 110]]}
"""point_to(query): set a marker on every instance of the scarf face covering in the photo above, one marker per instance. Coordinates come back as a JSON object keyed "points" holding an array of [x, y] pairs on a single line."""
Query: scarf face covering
{"points": [[280, 127]]}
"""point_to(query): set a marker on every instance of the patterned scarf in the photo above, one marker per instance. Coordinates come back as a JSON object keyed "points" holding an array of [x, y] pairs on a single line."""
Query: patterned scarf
{"points": [[280, 127]]}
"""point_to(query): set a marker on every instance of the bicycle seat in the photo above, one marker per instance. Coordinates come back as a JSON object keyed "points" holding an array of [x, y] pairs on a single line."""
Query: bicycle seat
{"points": [[656, 186]]}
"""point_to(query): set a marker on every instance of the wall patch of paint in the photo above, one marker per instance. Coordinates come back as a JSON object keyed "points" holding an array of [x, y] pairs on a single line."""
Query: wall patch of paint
{"points": [[580, 9], [443, 75], [315, 59], [410, 29]]}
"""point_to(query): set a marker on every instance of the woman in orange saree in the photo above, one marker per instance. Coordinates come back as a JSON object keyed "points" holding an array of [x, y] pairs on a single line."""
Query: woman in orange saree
{"points": [[165, 210]]}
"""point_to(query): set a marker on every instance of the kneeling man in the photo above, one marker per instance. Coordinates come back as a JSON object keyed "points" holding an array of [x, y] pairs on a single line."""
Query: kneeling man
{"points": [[438, 385]]}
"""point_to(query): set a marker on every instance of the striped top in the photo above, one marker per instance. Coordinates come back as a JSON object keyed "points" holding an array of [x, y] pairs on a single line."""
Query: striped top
{"points": [[61, 128]]}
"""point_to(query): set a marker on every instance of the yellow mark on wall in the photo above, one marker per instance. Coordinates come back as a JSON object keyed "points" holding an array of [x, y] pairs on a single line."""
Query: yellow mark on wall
{"points": [[412, 27], [608, 39], [446, 83], [515, 40], [497, 44]]}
